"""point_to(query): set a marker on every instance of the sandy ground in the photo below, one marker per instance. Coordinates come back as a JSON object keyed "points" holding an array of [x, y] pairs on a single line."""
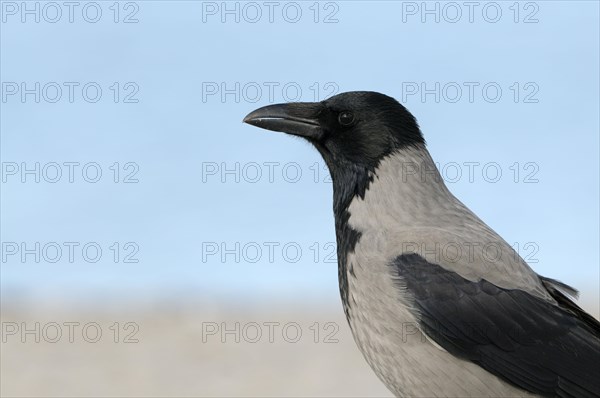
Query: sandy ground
{"points": [[229, 352], [175, 349]]}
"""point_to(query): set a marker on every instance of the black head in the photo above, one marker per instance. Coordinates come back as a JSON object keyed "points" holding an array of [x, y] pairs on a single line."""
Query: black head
{"points": [[353, 132], [355, 129]]}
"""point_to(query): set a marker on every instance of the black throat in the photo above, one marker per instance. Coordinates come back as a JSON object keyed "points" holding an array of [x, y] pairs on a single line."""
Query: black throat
{"points": [[349, 181]]}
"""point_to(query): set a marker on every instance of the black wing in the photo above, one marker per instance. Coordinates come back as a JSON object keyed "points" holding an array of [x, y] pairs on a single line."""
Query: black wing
{"points": [[529, 342]]}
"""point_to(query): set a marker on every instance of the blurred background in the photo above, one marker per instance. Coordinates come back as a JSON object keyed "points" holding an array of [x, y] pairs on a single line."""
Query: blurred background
{"points": [[153, 245]]}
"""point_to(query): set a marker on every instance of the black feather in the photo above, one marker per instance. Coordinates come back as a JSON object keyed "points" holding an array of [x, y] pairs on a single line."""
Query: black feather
{"points": [[532, 343]]}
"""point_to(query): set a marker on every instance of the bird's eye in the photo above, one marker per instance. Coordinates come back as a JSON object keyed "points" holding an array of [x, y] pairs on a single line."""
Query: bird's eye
{"points": [[346, 118]]}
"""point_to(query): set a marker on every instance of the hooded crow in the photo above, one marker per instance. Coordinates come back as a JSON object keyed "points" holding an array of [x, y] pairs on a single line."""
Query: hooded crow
{"points": [[438, 303]]}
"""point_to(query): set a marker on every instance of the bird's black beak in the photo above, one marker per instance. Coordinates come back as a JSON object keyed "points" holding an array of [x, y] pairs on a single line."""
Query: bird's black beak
{"points": [[297, 118]]}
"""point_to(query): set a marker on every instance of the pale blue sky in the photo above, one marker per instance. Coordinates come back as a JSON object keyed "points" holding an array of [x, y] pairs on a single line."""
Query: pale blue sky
{"points": [[178, 129]]}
